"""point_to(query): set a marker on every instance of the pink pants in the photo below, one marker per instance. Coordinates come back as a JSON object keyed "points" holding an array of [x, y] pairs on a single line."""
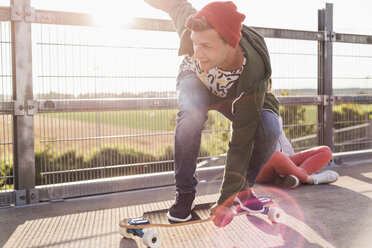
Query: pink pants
{"points": [[300, 164]]}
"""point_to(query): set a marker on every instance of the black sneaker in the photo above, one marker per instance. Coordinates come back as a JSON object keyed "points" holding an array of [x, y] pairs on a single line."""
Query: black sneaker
{"points": [[180, 211], [247, 201]]}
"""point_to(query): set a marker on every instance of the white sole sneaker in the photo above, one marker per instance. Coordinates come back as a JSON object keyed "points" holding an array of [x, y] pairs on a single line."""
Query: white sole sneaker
{"points": [[325, 177], [171, 218], [175, 219]]}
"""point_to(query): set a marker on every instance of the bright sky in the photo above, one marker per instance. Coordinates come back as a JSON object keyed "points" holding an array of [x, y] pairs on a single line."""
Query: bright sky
{"points": [[349, 16]]}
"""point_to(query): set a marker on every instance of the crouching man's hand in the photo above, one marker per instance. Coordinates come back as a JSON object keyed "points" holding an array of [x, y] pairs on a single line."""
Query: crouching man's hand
{"points": [[222, 215]]}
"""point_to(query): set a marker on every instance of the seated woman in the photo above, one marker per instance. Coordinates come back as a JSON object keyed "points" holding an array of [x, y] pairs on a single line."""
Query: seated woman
{"points": [[287, 168]]}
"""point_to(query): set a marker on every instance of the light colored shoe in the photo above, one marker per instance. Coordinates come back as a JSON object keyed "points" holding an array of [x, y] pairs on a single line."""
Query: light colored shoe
{"points": [[289, 181], [327, 176], [331, 171]]}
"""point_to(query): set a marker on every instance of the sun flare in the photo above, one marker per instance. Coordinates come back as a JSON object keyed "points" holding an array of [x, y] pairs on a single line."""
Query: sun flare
{"points": [[113, 14]]}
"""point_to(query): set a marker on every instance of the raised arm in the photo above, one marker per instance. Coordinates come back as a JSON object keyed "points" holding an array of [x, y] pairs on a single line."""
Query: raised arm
{"points": [[179, 11]]}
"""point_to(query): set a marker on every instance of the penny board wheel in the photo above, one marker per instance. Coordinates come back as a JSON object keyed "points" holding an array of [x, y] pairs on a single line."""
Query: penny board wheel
{"points": [[152, 239], [275, 215]]}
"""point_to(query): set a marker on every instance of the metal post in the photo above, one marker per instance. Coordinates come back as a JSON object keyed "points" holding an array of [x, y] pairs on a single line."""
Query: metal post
{"points": [[24, 157], [325, 88]]}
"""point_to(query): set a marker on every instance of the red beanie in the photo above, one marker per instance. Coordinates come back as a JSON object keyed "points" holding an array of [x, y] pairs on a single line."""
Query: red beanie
{"points": [[224, 17]]}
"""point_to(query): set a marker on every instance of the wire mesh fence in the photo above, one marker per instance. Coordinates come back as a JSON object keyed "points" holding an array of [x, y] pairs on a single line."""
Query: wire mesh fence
{"points": [[89, 145], [352, 121], [91, 62], [289, 58], [352, 69], [294, 65], [6, 120]]}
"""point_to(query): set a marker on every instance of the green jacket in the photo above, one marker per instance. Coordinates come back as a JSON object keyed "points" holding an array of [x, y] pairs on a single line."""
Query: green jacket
{"points": [[251, 97]]}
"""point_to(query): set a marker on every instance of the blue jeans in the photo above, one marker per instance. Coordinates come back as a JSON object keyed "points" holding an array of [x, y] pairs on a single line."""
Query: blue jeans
{"points": [[194, 102]]}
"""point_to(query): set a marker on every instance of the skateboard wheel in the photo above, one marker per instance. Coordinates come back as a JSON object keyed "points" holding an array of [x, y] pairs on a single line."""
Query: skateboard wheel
{"points": [[124, 232], [152, 239], [275, 215]]}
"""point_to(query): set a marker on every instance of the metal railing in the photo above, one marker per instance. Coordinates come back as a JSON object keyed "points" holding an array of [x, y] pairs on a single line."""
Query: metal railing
{"points": [[87, 119]]}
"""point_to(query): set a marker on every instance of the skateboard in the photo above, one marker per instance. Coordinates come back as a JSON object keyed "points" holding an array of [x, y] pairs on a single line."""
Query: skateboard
{"points": [[129, 228]]}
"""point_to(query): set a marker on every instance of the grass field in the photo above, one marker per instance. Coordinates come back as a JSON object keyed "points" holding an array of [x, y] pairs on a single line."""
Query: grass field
{"points": [[158, 120], [151, 120]]}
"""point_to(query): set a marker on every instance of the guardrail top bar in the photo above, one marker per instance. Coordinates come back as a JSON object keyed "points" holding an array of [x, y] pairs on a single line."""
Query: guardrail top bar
{"points": [[82, 19]]}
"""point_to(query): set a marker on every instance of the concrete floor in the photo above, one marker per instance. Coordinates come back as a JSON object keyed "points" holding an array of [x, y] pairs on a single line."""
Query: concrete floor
{"points": [[336, 215]]}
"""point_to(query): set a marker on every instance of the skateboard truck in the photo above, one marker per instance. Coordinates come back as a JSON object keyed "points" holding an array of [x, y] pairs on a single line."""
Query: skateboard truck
{"points": [[150, 238], [136, 222]]}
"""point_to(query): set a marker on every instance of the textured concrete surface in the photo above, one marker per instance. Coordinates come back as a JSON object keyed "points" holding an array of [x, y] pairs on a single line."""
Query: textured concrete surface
{"points": [[336, 215]]}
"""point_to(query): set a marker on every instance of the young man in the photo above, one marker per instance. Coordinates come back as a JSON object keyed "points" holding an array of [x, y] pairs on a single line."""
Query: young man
{"points": [[226, 68]]}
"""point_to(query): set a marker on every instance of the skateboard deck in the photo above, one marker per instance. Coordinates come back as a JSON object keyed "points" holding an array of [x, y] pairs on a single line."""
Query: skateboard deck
{"points": [[134, 227]]}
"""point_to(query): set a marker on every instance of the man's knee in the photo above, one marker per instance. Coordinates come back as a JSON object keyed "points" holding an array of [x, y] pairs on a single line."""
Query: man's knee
{"points": [[191, 119]]}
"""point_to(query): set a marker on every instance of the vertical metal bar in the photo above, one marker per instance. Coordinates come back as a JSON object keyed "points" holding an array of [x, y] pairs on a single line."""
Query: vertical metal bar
{"points": [[24, 158], [320, 76], [325, 87]]}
